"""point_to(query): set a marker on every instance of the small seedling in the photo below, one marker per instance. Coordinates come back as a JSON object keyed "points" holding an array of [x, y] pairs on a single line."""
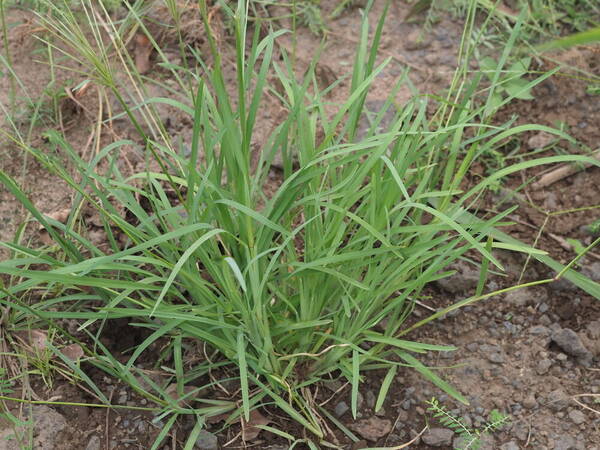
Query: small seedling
{"points": [[594, 227], [513, 82], [470, 437]]}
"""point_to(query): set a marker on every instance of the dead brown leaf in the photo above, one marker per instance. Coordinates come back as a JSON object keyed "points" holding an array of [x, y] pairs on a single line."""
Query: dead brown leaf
{"points": [[45, 237], [509, 12], [250, 429], [187, 401], [143, 50], [34, 341]]}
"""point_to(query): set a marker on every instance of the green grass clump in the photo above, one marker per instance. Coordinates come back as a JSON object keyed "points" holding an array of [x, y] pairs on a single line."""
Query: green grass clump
{"points": [[285, 290]]}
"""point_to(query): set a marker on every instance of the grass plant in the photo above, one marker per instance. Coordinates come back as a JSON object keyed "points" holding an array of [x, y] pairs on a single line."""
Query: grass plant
{"points": [[285, 290]]}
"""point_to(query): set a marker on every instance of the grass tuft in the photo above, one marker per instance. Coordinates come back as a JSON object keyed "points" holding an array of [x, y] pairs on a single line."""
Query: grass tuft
{"points": [[312, 282]]}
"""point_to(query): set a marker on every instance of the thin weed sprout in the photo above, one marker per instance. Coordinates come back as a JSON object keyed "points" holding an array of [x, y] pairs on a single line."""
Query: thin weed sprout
{"points": [[283, 291]]}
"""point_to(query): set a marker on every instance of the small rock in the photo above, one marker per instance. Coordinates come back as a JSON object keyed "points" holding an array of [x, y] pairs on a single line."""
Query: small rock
{"points": [[545, 320], [438, 437], [570, 343], [540, 140], [512, 445], [372, 428], [94, 443], [565, 443], [593, 329], [122, 399], [472, 347], [540, 330], [577, 417], [402, 419], [520, 430], [543, 308], [465, 279], [416, 40], [529, 402], [543, 366], [520, 297], [207, 441], [497, 358], [557, 400], [551, 201], [370, 399], [45, 424], [359, 445], [341, 408], [414, 434]]}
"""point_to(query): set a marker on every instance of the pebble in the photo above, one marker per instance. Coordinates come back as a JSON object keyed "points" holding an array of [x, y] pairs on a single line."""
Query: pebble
{"points": [[94, 443], [570, 343], [520, 430], [372, 428], [557, 400], [540, 330], [512, 445], [543, 366], [370, 399], [416, 40], [565, 443], [577, 417], [472, 347], [341, 408], [207, 441], [478, 420], [497, 358], [122, 399], [520, 297], [561, 357], [438, 437], [401, 420], [540, 140], [545, 320], [529, 402]]}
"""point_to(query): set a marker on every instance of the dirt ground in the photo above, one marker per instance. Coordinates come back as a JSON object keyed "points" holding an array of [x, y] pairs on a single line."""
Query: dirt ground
{"points": [[533, 353]]}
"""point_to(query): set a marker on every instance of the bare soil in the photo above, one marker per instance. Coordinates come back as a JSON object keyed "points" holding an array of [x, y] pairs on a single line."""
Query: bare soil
{"points": [[510, 354]]}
